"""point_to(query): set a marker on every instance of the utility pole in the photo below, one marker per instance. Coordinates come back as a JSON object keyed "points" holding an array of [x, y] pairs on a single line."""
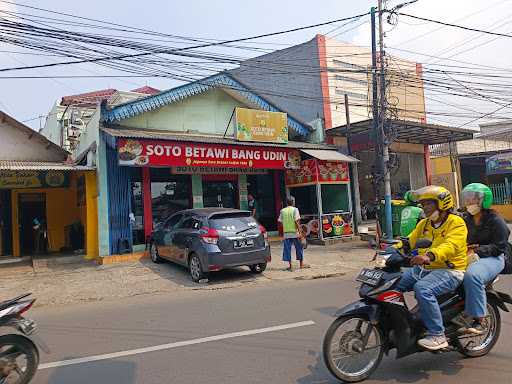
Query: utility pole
{"points": [[375, 120], [353, 174], [388, 226]]}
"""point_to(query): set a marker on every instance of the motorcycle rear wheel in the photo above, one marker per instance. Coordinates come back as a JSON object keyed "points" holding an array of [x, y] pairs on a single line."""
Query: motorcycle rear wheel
{"points": [[481, 345], [343, 348], [16, 349]]}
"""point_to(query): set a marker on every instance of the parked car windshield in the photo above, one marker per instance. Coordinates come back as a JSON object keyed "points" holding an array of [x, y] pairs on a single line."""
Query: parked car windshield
{"points": [[233, 222]]}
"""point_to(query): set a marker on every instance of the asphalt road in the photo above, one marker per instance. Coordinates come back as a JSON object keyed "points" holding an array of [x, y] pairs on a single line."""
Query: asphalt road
{"points": [[181, 327]]}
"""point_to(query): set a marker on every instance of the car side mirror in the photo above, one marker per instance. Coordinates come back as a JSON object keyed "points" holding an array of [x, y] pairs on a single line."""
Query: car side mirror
{"points": [[423, 243]]}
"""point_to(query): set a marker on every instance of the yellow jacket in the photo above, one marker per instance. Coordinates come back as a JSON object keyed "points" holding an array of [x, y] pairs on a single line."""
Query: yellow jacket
{"points": [[448, 242]]}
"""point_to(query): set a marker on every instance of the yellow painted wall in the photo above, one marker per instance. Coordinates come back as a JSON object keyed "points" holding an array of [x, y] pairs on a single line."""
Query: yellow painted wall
{"points": [[504, 210], [441, 165], [91, 216], [62, 210]]}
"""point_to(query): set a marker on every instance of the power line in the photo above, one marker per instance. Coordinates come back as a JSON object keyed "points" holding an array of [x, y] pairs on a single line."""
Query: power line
{"points": [[460, 19], [456, 26], [167, 51], [486, 115]]}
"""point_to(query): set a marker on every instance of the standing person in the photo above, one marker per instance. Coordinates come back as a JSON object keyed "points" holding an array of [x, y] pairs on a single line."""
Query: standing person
{"points": [[290, 218], [253, 205], [488, 248], [39, 227]]}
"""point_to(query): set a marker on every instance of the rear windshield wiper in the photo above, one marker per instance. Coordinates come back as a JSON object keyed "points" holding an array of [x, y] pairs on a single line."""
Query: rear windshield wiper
{"points": [[245, 230]]}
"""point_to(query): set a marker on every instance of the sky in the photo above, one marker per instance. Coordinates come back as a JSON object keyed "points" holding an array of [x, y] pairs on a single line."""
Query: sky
{"points": [[228, 19]]}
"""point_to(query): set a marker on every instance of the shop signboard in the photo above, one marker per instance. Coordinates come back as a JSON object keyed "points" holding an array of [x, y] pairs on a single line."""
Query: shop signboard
{"points": [[337, 225], [499, 164], [263, 126], [189, 170], [179, 154], [318, 171], [33, 179]]}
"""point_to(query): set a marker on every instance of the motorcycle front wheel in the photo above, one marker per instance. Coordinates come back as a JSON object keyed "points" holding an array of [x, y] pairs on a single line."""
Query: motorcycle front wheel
{"points": [[346, 354], [481, 345], [18, 360]]}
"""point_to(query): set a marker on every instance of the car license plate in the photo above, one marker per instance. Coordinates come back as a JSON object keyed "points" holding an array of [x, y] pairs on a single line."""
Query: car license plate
{"points": [[370, 276], [246, 243]]}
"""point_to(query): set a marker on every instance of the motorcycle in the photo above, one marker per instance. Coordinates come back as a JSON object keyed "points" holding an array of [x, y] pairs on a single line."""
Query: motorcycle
{"points": [[381, 320], [19, 353]]}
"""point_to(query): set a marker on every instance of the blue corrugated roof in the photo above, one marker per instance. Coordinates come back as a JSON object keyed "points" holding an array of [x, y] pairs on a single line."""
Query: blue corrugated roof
{"points": [[222, 80]]}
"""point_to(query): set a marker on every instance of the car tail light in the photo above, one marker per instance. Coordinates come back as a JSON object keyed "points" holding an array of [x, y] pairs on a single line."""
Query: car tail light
{"points": [[264, 233], [209, 235]]}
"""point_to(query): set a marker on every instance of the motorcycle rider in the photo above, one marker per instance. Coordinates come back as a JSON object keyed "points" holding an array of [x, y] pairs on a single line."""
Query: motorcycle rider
{"points": [[439, 269], [487, 248]]}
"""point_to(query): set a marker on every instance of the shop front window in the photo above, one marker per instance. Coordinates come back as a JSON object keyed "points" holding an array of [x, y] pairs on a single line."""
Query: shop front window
{"points": [[305, 199], [335, 198], [169, 193], [137, 206]]}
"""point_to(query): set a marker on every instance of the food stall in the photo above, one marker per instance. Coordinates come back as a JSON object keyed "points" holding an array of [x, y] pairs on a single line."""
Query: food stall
{"points": [[322, 193]]}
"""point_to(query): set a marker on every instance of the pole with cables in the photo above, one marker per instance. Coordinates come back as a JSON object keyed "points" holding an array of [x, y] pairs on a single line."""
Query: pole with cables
{"points": [[388, 221], [375, 124]]}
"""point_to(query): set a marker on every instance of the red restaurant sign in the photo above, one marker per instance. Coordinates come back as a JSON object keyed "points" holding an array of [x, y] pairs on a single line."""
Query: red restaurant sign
{"points": [[175, 154]]}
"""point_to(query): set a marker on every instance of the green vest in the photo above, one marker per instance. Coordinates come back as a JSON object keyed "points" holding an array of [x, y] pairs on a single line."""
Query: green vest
{"points": [[288, 217]]}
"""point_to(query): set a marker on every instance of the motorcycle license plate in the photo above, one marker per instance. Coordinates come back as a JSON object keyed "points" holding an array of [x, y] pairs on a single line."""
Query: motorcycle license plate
{"points": [[370, 276]]}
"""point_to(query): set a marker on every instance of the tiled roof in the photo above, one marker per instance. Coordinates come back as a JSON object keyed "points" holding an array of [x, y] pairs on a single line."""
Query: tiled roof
{"points": [[201, 138], [147, 90], [15, 165], [89, 98]]}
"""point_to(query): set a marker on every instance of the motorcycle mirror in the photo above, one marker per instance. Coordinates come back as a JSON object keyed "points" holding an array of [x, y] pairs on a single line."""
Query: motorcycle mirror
{"points": [[423, 243]]}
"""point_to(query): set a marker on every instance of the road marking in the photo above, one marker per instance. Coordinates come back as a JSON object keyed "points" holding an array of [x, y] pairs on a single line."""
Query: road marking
{"points": [[115, 355]]}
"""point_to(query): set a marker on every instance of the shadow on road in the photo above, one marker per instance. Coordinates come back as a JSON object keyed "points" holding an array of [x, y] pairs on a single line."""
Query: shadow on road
{"points": [[318, 372], [178, 274], [99, 372], [407, 370]]}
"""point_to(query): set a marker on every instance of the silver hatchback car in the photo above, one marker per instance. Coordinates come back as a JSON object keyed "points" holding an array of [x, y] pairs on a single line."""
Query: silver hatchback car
{"points": [[210, 239]]}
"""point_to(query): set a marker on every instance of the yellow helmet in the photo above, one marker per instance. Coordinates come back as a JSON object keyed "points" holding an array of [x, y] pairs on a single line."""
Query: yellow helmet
{"points": [[440, 194]]}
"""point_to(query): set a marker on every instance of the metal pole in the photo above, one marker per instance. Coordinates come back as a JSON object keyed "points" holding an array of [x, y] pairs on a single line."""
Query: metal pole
{"points": [[375, 118], [351, 173], [385, 149]]}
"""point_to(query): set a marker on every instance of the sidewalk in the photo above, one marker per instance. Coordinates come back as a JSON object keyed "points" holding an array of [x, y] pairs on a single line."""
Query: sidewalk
{"points": [[85, 281]]}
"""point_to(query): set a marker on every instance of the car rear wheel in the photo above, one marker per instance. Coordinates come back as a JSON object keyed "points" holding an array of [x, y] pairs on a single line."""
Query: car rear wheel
{"points": [[195, 269], [153, 253], [258, 268]]}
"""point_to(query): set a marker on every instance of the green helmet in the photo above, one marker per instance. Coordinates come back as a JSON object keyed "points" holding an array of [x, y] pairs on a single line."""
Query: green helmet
{"points": [[477, 192], [409, 199]]}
